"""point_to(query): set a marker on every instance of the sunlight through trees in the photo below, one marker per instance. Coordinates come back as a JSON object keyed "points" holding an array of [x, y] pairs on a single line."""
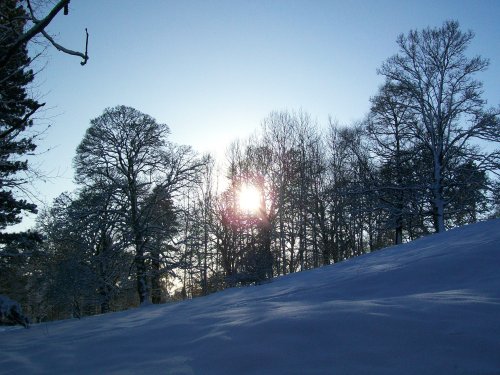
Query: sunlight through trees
{"points": [[152, 221]]}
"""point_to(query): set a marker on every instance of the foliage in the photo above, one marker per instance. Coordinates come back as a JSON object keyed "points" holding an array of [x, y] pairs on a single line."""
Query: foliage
{"points": [[18, 27], [16, 109]]}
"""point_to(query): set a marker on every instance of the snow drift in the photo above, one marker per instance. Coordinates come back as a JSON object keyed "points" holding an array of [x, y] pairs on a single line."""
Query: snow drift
{"points": [[428, 307]]}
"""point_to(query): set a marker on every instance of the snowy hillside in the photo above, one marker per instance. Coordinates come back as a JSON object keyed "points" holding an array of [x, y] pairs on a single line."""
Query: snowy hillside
{"points": [[428, 307]]}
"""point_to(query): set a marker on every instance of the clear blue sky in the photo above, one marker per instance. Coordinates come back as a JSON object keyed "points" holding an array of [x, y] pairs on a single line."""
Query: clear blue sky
{"points": [[213, 69]]}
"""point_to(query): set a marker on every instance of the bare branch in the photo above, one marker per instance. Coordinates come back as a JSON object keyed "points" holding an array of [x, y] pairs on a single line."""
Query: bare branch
{"points": [[39, 28], [61, 48]]}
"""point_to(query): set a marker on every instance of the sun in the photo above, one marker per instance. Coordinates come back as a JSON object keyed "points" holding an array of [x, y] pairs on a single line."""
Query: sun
{"points": [[249, 198]]}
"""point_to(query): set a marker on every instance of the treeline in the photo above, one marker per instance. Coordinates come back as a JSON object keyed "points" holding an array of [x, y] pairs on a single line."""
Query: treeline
{"points": [[153, 221]]}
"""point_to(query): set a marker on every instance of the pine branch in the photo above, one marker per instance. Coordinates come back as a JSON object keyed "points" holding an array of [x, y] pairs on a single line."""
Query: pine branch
{"points": [[21, 123]]}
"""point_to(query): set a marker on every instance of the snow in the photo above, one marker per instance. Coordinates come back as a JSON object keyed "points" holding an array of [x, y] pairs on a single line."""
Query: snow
{"points": [[428, 307]]}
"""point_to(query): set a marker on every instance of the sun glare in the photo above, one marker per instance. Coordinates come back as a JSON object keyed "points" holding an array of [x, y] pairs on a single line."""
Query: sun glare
{"points": [[249, 198]]}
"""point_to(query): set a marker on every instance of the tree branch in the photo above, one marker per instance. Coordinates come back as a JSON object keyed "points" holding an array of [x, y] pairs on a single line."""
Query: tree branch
{"points": [[36, 29], [39, 27], [59, 47], [19, 126]]}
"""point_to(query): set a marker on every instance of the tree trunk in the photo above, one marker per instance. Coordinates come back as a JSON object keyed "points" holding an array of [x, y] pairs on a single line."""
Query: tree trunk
{"points": [[155, 278], [142, 282], [139, 259], [438, 199], [399, 233]]}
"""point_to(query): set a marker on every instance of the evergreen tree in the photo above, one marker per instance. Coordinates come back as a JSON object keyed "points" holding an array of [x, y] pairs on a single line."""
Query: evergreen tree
{"points": [[16, 111]]}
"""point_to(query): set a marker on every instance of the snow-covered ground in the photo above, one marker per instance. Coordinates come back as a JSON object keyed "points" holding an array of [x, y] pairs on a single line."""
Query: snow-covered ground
{"points": [[428, 307]]}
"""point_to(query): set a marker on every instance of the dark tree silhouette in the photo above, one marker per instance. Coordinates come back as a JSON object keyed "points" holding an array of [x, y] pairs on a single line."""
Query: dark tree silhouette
{"points": [[436, 79], [130, 150]]}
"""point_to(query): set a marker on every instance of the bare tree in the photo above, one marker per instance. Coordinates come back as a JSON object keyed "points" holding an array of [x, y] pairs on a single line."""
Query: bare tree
{"points": [[345, 194], [130, 150], [389, 130], [436, 79], [207, 190], [83, 257]]}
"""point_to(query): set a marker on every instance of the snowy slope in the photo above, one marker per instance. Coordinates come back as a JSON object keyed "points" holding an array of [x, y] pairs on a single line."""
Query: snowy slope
{"points": [[428, 307]]}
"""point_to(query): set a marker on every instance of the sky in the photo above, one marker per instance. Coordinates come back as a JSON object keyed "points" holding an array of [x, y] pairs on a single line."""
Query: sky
{"points": [[430, 306], [214, 69]]}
